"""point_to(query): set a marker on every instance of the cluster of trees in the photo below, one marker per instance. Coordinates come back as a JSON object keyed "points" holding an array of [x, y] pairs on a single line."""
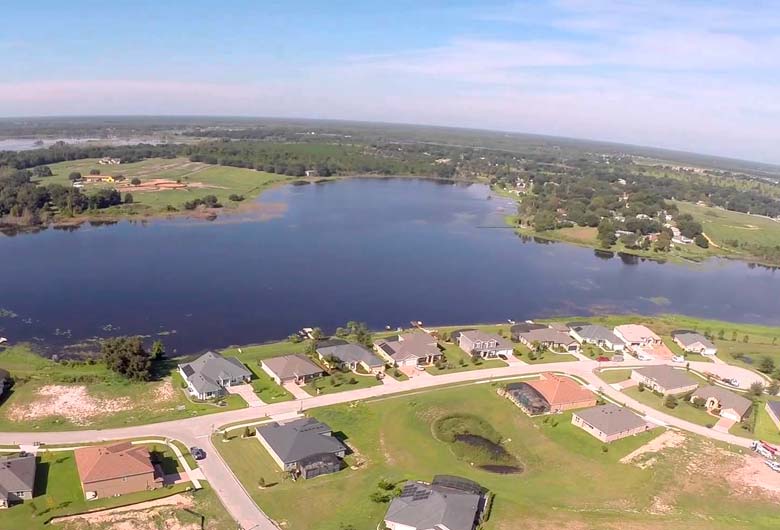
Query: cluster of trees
{"points": [[128, 357], [209, 201], [62, 152]]}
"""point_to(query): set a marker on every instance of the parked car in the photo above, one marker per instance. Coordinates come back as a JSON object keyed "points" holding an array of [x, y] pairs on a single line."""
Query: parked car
{"points": [[643, 357], [774, 466], [197, 453], [602, 359], [678, 359], [731, 381]]}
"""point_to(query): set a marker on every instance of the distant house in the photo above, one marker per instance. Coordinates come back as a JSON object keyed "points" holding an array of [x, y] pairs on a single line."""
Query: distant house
{"points": [[609, 422], [118, 469], [17, 479], [209, 375], [109, 161], [524, 327], [415, 348], [311, 173], [723, 401], [599, 335], [296, 368], [485, 345], [664, 379], [351, 356], [693, 342], [773, 409], [549, 338], [448, 503], [550, 394], [305, 447], [637, 336]]}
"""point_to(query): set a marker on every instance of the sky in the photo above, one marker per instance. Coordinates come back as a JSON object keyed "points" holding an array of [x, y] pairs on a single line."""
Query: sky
{"points": [[700, 76]]}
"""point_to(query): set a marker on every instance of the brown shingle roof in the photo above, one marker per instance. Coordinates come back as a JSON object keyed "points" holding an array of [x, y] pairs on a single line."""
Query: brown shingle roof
{"points": [[105, 462], [558, 390]]}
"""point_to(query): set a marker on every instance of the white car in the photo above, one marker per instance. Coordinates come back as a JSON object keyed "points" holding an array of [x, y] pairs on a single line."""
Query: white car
{"points": [[678, 359], [643, 357], [774, 466], [731, 381]]}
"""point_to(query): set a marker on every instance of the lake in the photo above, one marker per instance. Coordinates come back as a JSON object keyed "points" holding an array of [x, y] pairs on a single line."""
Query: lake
{"points": [[383, 251]]}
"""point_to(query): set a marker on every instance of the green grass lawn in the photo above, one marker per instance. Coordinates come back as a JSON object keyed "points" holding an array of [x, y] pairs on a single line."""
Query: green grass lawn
{"points": [[570, 479], [723, 225], [58, 492], [460, 361], [684, 409], [340, 383], [765, 428], [614, 376], [144, 402]]}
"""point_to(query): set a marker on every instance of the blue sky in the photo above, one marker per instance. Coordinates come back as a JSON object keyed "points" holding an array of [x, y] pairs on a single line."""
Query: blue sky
{"points": [[700, 76]]}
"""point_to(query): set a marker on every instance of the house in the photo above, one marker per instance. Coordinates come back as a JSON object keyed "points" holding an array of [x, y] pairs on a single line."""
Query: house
{"points": [[17, 479], [117, 469], [549, 338], [609, 422], [448, 503], [351, 356], [486, 345], [773, 409], [693, 342], [305, 447], [549, 394], [724, 402], [296, 368], [209, 375], [664, 379], [524, 327], [109, 161], [586, 333], [637, 336], [415, 348]]}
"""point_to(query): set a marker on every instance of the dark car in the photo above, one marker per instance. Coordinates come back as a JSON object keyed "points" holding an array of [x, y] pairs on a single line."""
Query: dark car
{"points": [[197, 453]]}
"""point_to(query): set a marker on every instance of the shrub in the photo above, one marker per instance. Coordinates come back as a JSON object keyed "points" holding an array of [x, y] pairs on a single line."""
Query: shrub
{"points": [[135, 181], [670, 402]]}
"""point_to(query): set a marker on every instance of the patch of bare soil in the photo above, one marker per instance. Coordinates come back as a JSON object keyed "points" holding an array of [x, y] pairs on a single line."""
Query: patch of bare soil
{"points": [[754, 476], [152, 185], [151, 515], [641, 457], [72, 402], [164, 392]]}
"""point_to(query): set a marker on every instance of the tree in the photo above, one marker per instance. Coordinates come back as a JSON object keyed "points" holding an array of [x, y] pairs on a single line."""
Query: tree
{"points": [[127, 356], [757, 388], [545, 220], [135, 181], [606, 233], [670, 402], [236, 198], [663, 243], [745, 339], [317, 334], [734, 335], [701, 241], [128, 198], [74, 176], [42, 171], [294, 338], [158, 350], [773, 388], [94, 171], [767, 365]]}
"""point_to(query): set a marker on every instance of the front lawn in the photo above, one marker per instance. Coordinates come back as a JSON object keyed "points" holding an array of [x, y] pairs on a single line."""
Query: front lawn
{"points": [[340, 382], [459, 361], [684, 409], [614, 376]]}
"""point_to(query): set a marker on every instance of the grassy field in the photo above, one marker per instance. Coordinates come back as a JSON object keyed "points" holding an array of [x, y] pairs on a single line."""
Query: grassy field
{"points": [[128, 403], [765, 428], [393, 440], [684, 409], [614, 376], [204, 179], [723, 225]]}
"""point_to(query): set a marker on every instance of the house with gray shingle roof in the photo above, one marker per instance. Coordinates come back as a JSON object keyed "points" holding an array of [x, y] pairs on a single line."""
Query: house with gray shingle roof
{"points": [[478, 343], [305, 446], [351, 356], [549, 337], [296, 368], [209, 375], [598, 335], [609, 422], [729, 404], [17, 479], [445, 504], [773, 409], [693, 342], [664, 379], [415, 348]]}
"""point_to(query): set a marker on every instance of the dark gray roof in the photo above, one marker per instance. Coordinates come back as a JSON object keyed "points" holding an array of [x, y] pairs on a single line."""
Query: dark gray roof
{"points": [[726, 398], [433, 506], [611, 419], [205, 371], [666, 376], [774, 406], [547, 335], [17, 473], [299, 439], [296, 365], [595, 332], [688, 338], [412, 345], [351, 353], [525, 327]]}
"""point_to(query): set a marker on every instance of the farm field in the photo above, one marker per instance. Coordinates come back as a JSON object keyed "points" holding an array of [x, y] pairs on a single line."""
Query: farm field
{"points": [[724, 225], [392, 439]]}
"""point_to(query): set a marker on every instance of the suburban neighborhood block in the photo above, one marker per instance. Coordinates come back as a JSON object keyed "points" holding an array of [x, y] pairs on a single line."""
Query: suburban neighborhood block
{"points": [[643, 341], [305, 447], [485, 345], [550, 394], [17, 479], [296, 368], [664, 379], [351, 356], [110, 470], [609, 422], [448, 503], [549, 337], [693, 342], [415, 348], [210, 374], [586, 333]]}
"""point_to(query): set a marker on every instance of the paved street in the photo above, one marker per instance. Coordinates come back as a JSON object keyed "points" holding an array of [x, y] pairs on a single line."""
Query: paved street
{"points": [[198, 430]]}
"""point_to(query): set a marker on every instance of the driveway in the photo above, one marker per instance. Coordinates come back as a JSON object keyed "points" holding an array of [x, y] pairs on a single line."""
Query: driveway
{"points": [[247, 392], [724, 424], [296, 390]]}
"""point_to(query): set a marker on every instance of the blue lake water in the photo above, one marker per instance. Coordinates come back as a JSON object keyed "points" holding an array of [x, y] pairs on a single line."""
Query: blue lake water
{"points": [[383, 251]]}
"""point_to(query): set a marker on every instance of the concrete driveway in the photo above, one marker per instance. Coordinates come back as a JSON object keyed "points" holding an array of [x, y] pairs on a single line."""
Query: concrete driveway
{"points": [[296, 391], [247, 392], [723, 424]]}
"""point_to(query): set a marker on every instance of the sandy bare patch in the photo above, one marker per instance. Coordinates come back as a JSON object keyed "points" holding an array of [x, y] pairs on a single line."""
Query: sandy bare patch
{"points": [[153, 185], [164, 392], [753, 475], [151, 515], [669, 439], [72, 402]]}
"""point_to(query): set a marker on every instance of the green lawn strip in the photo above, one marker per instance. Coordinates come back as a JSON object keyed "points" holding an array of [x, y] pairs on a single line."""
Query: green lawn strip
{"points": [[397, 374], [393, 440], [459, 361], [186, 452], [549, 357], [340, 382], [58, 493], [265, 387], [684, 409], [614, 376]]}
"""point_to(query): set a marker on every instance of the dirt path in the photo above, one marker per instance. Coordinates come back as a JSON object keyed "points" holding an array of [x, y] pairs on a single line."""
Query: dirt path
{"points": [[667, 440], [142, 516]]}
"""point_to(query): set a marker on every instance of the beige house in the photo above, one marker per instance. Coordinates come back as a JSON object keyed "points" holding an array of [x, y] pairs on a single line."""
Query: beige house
{"points": [[664, 379], [118, 469], [723, 402], [609, 422], [415, 348]]}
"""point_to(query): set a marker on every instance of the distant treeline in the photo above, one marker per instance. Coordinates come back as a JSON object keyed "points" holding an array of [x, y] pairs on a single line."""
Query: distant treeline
{"points": [[62, 152]]}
